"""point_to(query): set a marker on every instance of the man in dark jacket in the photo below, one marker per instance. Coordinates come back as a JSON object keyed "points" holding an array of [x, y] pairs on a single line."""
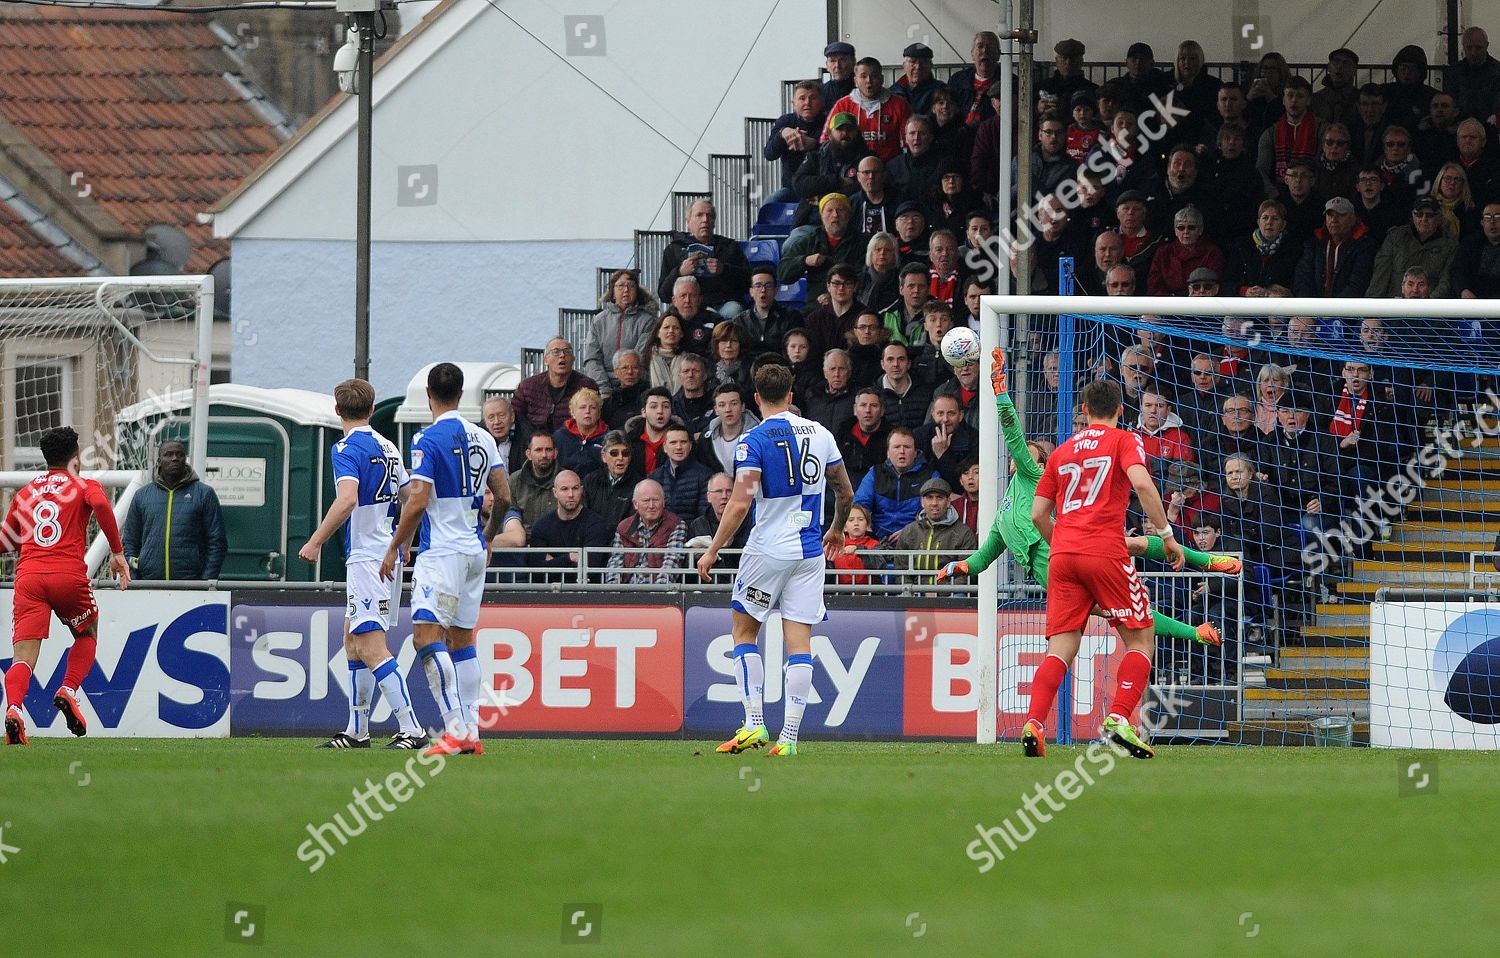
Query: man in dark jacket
{"points": [[1475, 79], [946, 440], [717, 261], [720, 487], [568, 529], [684, 480], [831, 400], [794, 137], [510, 436], [863, 436], [832, 167], [1306, 463], [1475, 273], [904, 396], [1340, 258], [175, 528], [607, 491]]}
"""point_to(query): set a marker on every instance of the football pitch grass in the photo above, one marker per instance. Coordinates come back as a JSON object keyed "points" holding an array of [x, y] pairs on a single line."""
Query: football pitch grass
{"points": [[121, 847]]}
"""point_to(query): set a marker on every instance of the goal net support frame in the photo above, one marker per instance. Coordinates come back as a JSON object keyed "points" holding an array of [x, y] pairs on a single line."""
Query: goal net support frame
{"points": [[999, 314], [121, 306]]}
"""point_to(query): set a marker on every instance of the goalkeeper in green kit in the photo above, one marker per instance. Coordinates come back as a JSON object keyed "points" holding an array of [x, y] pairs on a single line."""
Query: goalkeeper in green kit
{"points": [[1014, 530]]}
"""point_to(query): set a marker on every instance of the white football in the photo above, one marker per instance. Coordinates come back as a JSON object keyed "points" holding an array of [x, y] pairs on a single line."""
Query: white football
{"points": [[961, 346]]}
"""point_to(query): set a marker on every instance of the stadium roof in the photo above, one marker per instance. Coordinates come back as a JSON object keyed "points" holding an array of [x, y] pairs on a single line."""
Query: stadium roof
{"points": [[114, 120]]}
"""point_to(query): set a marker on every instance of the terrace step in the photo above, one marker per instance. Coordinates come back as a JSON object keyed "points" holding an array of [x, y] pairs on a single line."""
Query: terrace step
{"points": [[1286, 732]]}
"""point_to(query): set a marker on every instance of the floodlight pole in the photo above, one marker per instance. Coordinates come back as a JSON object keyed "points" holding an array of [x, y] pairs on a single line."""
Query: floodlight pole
{"points": [[366, 26], [361, 17]]}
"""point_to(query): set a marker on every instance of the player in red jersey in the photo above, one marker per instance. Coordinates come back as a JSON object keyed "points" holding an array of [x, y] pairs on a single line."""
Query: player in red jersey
{"points": [[1093, 474], [48, 521]]}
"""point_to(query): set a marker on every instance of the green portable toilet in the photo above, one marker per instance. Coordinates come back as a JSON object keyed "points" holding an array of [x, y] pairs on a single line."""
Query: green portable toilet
{"points": [[268, 462], [383, 419], [482, 380]]}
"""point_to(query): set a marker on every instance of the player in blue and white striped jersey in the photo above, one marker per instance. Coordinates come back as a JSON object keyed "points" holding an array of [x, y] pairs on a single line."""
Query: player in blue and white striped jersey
{"points": [[783, 467], [371, 480], [453, 461]]}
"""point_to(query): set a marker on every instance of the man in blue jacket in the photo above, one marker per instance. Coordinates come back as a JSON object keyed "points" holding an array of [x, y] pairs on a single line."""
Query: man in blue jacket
{"points": [[175, 528], [892, 490]]}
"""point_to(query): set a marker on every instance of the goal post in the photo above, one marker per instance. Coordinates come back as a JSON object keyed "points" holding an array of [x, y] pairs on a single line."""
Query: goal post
{"points": [[83, 351], [1368, 518]]}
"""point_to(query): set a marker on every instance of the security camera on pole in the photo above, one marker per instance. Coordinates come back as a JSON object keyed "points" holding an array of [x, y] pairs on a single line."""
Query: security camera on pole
{"points": [[354, 63]]}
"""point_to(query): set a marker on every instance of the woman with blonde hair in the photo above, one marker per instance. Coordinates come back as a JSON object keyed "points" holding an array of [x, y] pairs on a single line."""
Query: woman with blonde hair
{"points": [[1455, 199], [1271, 386], [880, 282], [579, 438]]}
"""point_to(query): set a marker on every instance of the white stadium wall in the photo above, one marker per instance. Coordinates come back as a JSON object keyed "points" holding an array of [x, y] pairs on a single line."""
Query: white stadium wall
{"points": [[429, 301], [528, 175]]}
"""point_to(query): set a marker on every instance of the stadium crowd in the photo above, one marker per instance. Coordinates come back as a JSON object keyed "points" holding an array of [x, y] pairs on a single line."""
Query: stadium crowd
{"points": [[1263, 435]]}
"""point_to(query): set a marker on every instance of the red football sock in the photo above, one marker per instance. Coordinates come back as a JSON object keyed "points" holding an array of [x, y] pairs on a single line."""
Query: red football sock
{"points": [[17, 679], [1044, 683], [1135, 672], [80, 660]]}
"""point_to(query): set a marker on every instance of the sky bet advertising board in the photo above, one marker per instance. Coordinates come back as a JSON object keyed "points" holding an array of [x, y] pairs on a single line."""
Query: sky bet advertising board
{"points": [[195, 664], [162, 668], [545, 668]]}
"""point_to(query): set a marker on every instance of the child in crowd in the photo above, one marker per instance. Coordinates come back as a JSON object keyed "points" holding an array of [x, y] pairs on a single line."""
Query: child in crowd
{"points": [[1085, 130], [857, 539], [967, 501]]}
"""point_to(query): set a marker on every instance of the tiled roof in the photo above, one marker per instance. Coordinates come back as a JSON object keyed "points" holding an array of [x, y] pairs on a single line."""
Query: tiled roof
{"points": [[23, 253], [134, 103]]}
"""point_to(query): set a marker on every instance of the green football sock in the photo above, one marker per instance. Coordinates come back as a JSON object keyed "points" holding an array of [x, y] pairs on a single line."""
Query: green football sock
{"points": [[1196, 559], [1173, 628]]}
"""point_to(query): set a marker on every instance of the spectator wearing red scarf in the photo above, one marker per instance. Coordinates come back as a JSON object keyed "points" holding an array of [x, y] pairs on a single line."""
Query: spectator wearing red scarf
{"points": [[1296, 134], [1365, 427]]}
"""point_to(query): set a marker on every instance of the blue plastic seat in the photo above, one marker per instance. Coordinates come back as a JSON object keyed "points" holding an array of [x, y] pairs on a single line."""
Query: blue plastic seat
{"points": [[793, 294], [774, 219], [766, 250]]}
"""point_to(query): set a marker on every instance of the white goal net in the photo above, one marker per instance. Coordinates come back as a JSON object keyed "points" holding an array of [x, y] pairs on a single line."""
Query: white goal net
{"points": [[1349, 451], [76, 352]]}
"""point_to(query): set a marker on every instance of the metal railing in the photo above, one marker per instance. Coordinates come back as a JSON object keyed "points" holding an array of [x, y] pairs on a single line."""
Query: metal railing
{"points": [[733, 192], [682, 201], [649, 245], [1491, 576], [573, 325], [531, 360], [764, 175]]}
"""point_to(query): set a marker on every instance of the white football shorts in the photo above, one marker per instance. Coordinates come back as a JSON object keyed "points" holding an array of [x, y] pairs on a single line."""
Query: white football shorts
{"points": [[447, 589], [373, 603], [796, 585]]}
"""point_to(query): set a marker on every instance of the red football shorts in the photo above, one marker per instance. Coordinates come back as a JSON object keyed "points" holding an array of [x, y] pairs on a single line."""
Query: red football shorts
{"points": [[1077, 583], [37, 597]]}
